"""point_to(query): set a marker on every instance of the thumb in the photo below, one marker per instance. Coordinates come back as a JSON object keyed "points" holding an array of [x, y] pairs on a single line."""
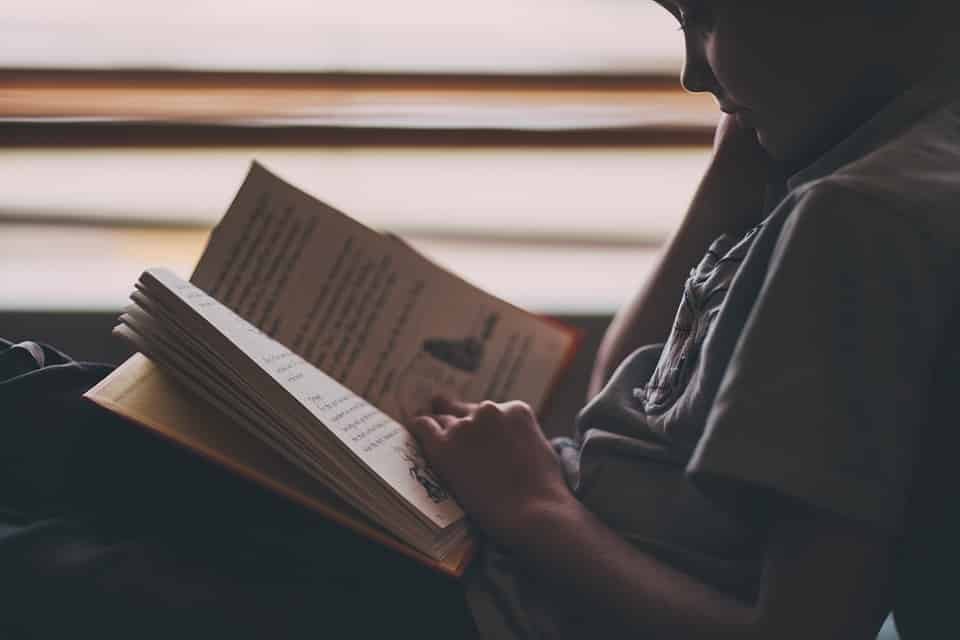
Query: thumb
{"points": [[425, 429]]}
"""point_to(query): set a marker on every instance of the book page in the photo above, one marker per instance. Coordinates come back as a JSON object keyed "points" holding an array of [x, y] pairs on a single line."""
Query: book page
{"points": [[369, 311], [381, 443], [143, 393]]}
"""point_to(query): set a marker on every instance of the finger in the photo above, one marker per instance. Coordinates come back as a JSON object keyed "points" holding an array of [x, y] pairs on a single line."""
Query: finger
{"points": [[449, 406], [425, 428], [518, 408], [445, 421]]}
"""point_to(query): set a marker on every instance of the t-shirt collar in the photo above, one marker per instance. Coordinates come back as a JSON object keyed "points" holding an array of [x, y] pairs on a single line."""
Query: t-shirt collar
{"points": [[937, 89]]}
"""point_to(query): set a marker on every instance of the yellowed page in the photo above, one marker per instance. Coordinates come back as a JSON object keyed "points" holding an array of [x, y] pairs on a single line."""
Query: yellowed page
{"points": [[142, 393], [368, 311]]}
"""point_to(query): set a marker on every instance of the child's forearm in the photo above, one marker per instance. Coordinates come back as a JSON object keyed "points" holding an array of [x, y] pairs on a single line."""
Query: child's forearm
{"points": [[621, 592], [814, 562]]}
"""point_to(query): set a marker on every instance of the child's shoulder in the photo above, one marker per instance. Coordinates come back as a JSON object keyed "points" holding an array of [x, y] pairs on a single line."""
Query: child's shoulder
{"points": [[914, 176]]}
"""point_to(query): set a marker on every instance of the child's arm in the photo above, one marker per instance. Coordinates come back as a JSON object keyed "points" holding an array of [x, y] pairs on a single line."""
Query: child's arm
{"points": [[729, 200], [825, 576]]}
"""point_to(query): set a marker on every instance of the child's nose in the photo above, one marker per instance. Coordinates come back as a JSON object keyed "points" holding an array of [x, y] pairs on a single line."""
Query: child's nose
{"points": [[697, 75]]}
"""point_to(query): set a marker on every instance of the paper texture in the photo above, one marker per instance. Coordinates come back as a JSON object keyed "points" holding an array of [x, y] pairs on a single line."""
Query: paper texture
{"points": [[382, 444], [370, 311]]}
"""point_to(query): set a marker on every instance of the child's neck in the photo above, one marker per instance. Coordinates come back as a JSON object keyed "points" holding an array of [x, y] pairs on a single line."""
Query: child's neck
{"points": [[872, 95]]}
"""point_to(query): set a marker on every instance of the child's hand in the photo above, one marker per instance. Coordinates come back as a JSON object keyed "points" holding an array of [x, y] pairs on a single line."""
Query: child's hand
{"points": [[495, 459], [733, 192], [737, 148]]}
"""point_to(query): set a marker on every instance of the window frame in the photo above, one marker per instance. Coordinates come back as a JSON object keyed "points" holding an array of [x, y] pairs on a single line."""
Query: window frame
{"points": [[49, 113]]}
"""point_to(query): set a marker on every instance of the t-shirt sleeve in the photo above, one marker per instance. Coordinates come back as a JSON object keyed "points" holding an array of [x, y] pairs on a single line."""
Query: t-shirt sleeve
{"points": [[832, 372]]}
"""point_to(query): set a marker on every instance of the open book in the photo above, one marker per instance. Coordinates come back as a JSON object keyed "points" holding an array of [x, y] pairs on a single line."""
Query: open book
{"points": [[300, 346]]}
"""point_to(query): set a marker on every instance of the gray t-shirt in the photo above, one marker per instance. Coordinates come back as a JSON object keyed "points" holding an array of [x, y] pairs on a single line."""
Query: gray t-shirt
{"points": [[805, 361]]}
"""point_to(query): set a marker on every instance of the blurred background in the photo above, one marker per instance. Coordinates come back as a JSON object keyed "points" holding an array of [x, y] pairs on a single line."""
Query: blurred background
{"points": [[541, 148]]}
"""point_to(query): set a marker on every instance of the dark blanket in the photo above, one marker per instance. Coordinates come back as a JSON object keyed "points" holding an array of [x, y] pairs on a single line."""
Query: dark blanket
{"points": [[106, 531]]}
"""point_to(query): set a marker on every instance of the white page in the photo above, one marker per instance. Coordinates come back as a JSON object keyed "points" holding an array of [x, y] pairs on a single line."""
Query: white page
{"points": [[380, 442], [369, 311], [325, 459]]}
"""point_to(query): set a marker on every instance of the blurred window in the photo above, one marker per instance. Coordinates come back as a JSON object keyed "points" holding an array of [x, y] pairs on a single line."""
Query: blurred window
{"points": [[541, 148], [436, 36]]}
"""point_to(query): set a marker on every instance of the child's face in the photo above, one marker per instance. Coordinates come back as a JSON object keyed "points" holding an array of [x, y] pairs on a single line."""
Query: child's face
{"points": [[802, 75]]}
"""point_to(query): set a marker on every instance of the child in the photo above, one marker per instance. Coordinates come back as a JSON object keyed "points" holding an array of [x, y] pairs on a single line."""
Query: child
{"points": [[758, 468], [766, 466]]}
